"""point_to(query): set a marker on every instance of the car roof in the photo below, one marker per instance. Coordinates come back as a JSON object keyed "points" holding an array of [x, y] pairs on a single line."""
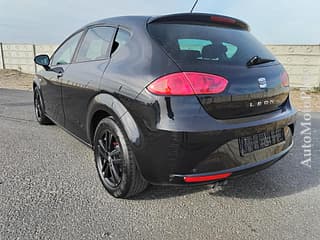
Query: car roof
{"points": [[129, 21]]}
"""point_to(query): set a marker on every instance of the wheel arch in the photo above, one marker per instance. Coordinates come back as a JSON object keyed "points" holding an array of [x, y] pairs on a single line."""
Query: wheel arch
{"points": [[35, 83], [105, 105]]}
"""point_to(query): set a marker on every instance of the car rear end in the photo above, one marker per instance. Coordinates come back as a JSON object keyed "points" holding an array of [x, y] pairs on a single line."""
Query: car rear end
{"points": [[225, 112]]}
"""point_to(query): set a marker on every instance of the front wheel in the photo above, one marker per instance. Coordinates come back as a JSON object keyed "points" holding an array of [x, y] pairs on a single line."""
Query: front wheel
{"points": [[38, 109], [115, 161]]}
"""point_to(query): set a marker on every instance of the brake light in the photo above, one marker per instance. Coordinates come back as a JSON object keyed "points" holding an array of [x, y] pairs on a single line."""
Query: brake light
{"points": [[188, 83], [284, 79], [206, 178], [221, 19]]}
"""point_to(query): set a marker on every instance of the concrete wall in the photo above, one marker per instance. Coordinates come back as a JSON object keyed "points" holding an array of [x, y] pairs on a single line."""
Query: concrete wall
{"points": [[301, 61], [20, 56]]}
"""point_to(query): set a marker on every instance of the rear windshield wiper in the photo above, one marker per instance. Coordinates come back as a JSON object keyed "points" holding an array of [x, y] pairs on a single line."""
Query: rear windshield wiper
{"points": [[256, 60]]}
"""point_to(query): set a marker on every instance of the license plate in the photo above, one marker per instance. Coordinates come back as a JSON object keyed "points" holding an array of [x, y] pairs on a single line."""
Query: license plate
{"points": [[261, 140]]}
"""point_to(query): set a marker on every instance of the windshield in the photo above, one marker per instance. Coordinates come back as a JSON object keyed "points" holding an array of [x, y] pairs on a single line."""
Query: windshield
{"points": [[199, 43]]}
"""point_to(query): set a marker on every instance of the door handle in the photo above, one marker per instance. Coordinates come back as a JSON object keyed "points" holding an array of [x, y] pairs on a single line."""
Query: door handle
{"points": [[60, 74]]}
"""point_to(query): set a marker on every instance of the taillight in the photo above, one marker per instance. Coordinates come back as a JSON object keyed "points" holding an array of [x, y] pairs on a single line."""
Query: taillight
{"points": [[284, 79], [188, 83]]}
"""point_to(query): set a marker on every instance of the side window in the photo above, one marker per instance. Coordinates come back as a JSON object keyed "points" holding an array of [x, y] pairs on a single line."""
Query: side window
{"points": [[121, 39], [65, 53], [95, 44]]}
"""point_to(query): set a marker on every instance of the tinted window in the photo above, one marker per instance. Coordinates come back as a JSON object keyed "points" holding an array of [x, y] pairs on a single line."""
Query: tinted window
{"points": [[95, 44], [201, 43], [198, 44], [120, 40], [231, 49], [65, 53], [192, 44]]}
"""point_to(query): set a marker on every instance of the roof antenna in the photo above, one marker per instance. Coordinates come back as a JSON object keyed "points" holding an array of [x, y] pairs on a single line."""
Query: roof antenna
{"points": [[194, 5]]}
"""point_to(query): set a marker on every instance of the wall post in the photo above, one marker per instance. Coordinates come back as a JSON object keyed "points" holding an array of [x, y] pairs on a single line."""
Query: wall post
{"points": [[2, 56], [34, 55]]}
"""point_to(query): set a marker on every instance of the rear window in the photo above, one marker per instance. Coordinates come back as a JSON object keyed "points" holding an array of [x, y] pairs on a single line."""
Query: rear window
{"points": [[200, 43]]}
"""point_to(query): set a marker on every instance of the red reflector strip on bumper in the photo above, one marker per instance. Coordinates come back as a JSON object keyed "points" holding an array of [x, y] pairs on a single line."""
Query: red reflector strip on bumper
{"points": [[206, 178]]}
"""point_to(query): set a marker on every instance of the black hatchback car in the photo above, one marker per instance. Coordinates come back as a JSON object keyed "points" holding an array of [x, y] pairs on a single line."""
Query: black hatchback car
{"points": [[176, 99]]}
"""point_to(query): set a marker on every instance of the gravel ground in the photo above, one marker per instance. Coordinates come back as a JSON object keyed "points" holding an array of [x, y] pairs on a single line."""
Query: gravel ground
{"points": [[14, 79], [49, 189]]}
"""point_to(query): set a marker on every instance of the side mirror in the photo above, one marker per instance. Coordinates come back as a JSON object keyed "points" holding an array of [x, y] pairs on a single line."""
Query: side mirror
{"points": [[43, 60]]}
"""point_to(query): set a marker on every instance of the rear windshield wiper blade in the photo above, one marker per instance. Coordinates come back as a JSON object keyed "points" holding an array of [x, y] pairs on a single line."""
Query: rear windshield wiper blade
{"points": [[256, 60]]}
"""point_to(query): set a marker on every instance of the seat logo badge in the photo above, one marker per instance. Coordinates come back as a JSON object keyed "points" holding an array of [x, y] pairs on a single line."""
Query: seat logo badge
{"points": [[262, 83]]}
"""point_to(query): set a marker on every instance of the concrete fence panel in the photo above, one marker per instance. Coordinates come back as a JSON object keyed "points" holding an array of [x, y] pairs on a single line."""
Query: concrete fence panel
{"points": [[294, 49], [302, 62], [18, 56]]}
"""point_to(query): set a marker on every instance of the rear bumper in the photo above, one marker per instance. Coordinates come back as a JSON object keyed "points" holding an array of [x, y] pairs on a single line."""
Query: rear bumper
{"points": [[170, 157], [184, 140], [176, 179]]}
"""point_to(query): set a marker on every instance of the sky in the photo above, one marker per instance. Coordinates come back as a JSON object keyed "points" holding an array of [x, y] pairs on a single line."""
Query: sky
{"points": [[51, 21]]}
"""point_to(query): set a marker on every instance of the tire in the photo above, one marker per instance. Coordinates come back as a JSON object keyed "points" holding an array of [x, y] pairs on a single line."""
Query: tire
{"points": [[38, 108], [115, 161]]}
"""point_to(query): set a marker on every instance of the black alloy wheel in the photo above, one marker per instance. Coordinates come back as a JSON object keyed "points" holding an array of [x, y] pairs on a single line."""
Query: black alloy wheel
{"points": [[110, 159], [115, 161]]}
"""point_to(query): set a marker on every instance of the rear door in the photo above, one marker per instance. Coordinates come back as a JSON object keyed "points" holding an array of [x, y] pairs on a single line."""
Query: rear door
{"points": [[225, 51], [81, 82], [51, 80]]}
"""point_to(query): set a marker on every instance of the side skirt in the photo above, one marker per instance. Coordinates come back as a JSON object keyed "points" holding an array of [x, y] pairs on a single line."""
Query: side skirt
{"points": [[70, 133]]}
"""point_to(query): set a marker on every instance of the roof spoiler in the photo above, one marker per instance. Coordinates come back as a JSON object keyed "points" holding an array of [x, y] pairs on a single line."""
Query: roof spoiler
{"points": [[201, 19]]}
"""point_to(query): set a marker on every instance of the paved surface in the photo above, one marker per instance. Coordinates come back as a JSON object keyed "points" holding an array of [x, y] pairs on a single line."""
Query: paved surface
{"points": [[49, 189]]}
